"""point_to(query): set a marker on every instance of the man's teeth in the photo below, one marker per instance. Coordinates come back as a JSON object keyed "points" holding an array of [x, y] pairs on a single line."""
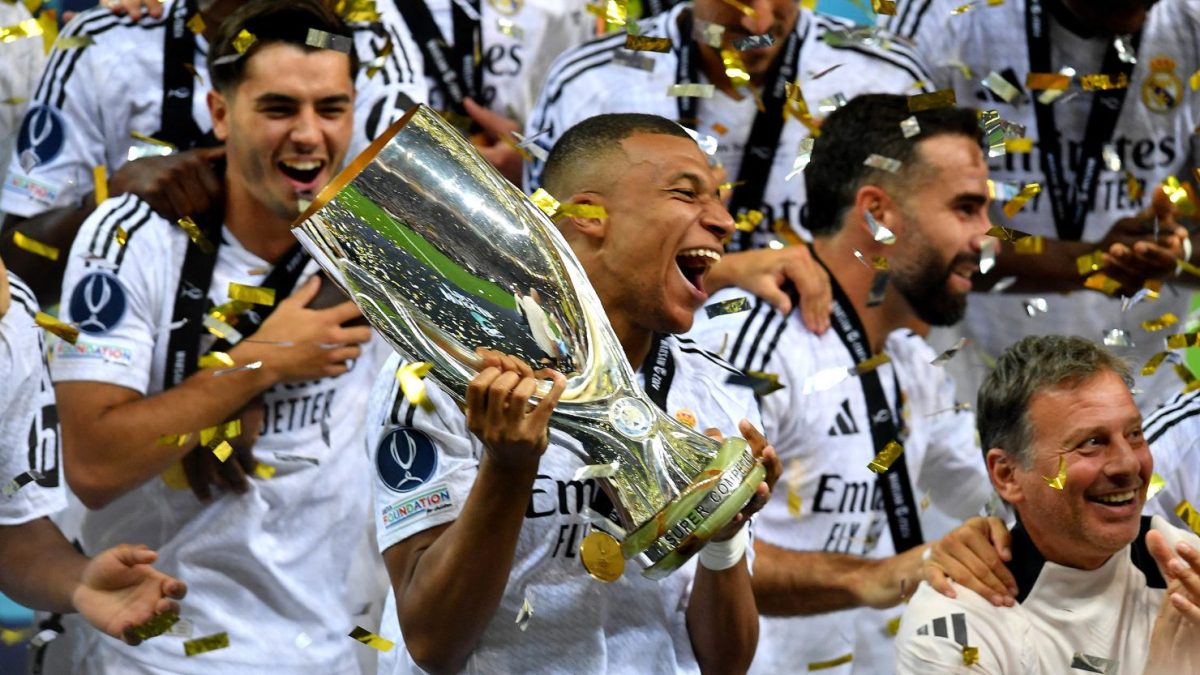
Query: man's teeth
{"points": [[1117, 498], [302, 166], [702, 253]]}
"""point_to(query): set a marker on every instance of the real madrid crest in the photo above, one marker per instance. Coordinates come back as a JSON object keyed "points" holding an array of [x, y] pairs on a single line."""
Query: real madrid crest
{"points": [[508, 7], [1162, 90]]}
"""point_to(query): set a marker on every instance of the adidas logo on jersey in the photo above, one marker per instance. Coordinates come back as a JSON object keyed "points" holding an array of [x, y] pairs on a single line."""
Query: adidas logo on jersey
{"points": [[843, 423], [954, 626]]}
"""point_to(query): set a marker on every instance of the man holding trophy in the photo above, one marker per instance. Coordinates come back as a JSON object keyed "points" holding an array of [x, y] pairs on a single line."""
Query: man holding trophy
{"points": [[485, 517]]}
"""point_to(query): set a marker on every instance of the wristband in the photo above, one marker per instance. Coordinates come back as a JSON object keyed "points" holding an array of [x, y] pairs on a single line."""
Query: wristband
{"points": [[721, 555]]}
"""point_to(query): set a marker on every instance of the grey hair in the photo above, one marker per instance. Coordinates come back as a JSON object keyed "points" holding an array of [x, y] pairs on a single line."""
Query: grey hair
{"points": [[1030, 366]]}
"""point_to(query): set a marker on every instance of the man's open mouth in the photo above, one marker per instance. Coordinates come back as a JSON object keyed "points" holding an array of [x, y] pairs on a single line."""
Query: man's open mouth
{"points": [[694, 263]]}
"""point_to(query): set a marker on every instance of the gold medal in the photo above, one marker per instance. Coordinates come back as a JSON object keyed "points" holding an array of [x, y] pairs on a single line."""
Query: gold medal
{"points": [[601, 556]]}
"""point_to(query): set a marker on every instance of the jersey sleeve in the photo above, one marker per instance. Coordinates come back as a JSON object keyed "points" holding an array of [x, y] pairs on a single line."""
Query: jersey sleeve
{"points": [[389, 82], [29, 426], [1174, 436], [60, 140], [934, 36], [115, 294], [935, 629], [424, 459]]}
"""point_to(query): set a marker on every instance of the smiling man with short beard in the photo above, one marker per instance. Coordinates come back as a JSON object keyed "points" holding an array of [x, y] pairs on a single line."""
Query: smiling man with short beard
{"points": [[845, 540]]}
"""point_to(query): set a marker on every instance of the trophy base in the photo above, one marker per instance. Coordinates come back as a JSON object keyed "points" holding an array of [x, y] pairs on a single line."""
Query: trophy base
{"points": [[676, 533]]}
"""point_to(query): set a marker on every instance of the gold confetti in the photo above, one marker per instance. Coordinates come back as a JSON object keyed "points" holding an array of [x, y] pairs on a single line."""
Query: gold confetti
{"points": [[255, 295], [1155, 361], [883, 461], [62, 330], [644, 43], [581, 211], [14, 100], [121, 235], [1059, 481], [323, 40], [1103, 283], [1188, 515], [1190, 383], [243, 41], [1160, 323], [1177, 192], [1103, 81], [12, 637], [178, 440], [735, 69], [208, 643], [1001, 87], [733, 306], [545, 202], [411, 377], [25, 29], [151, 140], [1058, 81], [1031, 245], [73, 42], [884, 7], [970, 655], [692, 90], [100, 180], [794, 503], [221, 329], [884, 163], [1090, 262], [357, 11], [194, 233], [941, 98], [1183, 340], [831, 663], [1018, 145], [962, 9], [216, 360], [371, 640], [376, 64], [196, 24], [1157, 483], [613, 12], [223, 450], [156, 626], [228, 312], [34, 246], [748, 221], [264, 471], [760, 382], [1029, 191], [1194, 80], [1133, 186], [743, 8]]}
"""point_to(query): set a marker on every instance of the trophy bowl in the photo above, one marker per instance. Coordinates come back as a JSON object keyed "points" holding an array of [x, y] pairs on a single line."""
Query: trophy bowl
{"points": [[445, 256]]}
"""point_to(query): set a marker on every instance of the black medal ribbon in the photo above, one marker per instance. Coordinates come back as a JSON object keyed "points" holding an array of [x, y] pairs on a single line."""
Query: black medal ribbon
{"points": [[659, 371], [452, 68], [191, 300], [1072, 201], [754, 173], [886, 425], [179, 82]]}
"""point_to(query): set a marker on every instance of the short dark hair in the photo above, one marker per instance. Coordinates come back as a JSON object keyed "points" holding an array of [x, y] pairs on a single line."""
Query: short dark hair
{"points": [[1033, 364], [867, 125], [271, 21], [585, 142]]}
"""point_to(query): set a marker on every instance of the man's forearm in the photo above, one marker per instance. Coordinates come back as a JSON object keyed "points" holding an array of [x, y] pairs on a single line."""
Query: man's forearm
{"points": [[456, 584], [38, 567], [56, 228], [1053, 270], [722, 619], [798, 583], [109, 453]]}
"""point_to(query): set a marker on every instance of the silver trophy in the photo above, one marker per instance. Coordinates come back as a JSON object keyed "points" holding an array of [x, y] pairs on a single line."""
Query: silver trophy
{"points": [[444, 256]]}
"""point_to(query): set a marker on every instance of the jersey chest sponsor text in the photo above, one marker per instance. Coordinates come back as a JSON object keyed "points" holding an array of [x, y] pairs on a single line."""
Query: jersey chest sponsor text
{"points": [[555, 497], [847, 514], [292, 407]]}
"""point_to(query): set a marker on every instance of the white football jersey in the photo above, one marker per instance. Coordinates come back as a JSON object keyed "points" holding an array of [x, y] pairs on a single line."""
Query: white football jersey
{"points": [[268, 567], [1066, 620], [827, 499], [90, 99], [29, 439], [593, 79], [1153, 140], [520, 38], [23, 61], [1174, 437], [426, 463]]}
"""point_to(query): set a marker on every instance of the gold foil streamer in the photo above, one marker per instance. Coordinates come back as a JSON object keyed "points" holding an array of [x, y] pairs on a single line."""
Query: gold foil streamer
{"points": [[831, 663], [871, 363], [376, 64], [25, 29], [1047, 81], [372, 640], [1190, 383], [34, 246], [1001, 87], [970, 655], [1157, 483], [208, 643], [223, 450], [748, 221], [1155, 361], [194, 233], [1103, 283], [1018, 145], [156, 626], [243, 41], [733, 306], [1183, 340], [743, 8], [257, 295], [196, 24], [735, 69], [63, 330], [74, 41], [1167, 319], [100, 180], [945, 356], [411, 377], [151, 140], [1059, 481], [1017, 203], [216, 360], [644, 43], [1090, 262], [581, 211], [692, 89], [545, 202], [1031, 245], [761, 383], [1188, 515], [884, 7], [883, 461], [942, 98], [1103, 81]]}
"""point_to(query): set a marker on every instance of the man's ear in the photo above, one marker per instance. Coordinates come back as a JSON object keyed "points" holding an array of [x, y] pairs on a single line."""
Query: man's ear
{"points": [[1002, 469], [876, 201], [218, 108], [591, 223]]}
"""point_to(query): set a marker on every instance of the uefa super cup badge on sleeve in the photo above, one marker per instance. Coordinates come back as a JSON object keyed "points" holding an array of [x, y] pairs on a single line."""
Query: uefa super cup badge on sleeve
{"points": [[445, 256]]}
